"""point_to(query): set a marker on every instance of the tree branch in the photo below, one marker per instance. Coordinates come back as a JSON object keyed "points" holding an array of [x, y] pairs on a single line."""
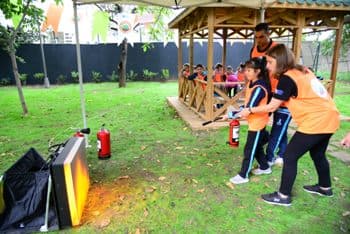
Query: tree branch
{"points": [[15, 32]]}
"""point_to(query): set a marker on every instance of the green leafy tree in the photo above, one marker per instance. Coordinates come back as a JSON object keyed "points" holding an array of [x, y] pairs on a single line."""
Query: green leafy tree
{"points": [[159, 30], [327, 45], [26, 29]]}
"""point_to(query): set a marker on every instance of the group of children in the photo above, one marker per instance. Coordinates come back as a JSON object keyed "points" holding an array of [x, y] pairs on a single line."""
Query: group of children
{"points": [[229, 76]]}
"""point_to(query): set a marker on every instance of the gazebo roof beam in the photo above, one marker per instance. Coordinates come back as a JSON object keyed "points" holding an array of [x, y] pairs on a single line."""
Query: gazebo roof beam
{"points": [[309, 6]]}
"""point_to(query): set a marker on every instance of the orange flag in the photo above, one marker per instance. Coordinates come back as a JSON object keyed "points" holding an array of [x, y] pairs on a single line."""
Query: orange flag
{"points": [[53, 17]]}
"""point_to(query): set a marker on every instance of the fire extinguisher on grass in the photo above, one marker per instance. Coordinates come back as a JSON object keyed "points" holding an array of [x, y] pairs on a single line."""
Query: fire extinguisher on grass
{"points": [[233, 136], [103, 143], [233, 139]]}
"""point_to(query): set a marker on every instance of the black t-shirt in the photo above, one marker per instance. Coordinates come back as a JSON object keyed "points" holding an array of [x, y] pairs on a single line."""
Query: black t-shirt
{"points": [[286, 88]]}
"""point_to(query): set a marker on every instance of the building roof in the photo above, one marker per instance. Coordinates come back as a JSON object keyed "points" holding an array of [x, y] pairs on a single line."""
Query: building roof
{"points": [[308, 6], [317, 2], [216, 3]]}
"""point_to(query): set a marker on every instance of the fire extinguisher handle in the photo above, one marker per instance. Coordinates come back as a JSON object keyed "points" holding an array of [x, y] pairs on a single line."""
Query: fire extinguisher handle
{"points": [[85, 130], [237, 116]]}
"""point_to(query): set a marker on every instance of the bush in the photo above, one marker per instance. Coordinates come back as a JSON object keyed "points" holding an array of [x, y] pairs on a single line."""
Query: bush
{"points": [[113, 77], [165, 74], [23, 77], [39, 76], [61, 79], [75, 76], [148, 75], [96, 76], [4, 81], [132, 76]]}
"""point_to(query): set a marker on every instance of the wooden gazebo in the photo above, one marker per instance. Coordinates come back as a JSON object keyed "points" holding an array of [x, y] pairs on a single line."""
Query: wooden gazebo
{"points": [[224, 22]]}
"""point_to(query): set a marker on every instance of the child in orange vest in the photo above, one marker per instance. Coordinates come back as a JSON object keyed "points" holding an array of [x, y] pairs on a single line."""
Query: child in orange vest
{"points": [[185, 71], [199, 74], [258, 92]]}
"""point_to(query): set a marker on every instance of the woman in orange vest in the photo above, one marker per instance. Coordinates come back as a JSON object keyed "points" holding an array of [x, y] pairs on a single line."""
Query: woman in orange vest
{"points": [[257, 93], [314, 112]]}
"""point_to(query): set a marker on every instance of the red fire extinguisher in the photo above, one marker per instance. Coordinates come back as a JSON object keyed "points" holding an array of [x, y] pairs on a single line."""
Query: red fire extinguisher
{"points": [[103, 143], [233, 139]]}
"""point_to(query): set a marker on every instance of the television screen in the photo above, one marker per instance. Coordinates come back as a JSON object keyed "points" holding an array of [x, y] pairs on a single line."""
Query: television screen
{"points": [[70, 175]]}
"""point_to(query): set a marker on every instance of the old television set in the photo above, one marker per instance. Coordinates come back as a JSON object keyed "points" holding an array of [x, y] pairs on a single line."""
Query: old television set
{"points": [[70, 176]]}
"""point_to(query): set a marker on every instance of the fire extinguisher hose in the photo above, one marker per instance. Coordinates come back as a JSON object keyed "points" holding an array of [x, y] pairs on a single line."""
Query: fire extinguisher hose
{"points": [[210, 121]]}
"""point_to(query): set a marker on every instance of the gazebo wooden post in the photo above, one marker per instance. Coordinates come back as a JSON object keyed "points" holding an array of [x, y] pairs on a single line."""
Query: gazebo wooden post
{"points": [[209, 112], [190, 59], [224, 47], [336, 53], [179, 64], [298, 36]]}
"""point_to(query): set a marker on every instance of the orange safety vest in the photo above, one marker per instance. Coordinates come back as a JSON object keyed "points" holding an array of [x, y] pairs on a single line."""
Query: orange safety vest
{"points": [[255, 53], [218, 78], [201, 77], [256, 121], [240, 76], [185, 74], [313, 109]]}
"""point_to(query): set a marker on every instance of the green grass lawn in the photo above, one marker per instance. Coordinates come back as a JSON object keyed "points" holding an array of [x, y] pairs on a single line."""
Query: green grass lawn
{"points": [[162, 177]]}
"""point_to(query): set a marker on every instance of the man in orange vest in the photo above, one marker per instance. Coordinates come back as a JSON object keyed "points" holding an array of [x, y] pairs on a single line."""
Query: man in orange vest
{"points": [[281, 117]]}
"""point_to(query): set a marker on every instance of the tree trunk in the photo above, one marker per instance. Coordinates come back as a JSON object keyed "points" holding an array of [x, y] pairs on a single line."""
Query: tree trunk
{"points": [[18, 81], [122, 65]]}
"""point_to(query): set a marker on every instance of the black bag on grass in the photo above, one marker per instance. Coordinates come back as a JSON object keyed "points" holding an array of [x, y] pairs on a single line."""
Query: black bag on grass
{"points": [[25, 186]]}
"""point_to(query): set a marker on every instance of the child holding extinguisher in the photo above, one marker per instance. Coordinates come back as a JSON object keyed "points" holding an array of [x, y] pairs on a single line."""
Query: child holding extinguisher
{"points": [[258, 92]]}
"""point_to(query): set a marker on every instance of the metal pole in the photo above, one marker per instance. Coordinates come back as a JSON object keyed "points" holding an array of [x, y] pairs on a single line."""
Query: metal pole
{"points": [[46, 79], [45, 227], [262, 15], [82, 98]]}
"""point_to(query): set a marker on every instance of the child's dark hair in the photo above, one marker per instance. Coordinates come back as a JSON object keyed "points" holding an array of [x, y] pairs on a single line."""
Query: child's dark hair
{"points": [[260, 63]]}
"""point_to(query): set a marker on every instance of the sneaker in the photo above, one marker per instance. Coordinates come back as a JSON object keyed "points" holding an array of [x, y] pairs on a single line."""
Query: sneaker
{"points": [[271, 163], [276, 199], [316, 189], [258, 171], [239, 180], [279, 161]]}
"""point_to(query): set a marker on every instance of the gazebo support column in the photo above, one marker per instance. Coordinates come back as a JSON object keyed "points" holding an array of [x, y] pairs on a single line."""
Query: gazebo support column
{"points": [[179, 64], [262, 15], [298, 36], [209, 102], [336, 53], [224, 47], [190, 59]]}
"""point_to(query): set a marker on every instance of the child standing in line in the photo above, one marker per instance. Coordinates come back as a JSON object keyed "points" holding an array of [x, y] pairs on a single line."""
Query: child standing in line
{"points": [[185, 72], [257, 93], [231, 77]]}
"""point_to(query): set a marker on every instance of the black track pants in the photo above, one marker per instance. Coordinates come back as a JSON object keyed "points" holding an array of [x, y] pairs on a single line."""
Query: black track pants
{"points": [[300, 144]]}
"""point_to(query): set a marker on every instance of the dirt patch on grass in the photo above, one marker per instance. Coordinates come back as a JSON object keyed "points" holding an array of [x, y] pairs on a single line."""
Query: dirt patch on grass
{"points": [[107, 201]]}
